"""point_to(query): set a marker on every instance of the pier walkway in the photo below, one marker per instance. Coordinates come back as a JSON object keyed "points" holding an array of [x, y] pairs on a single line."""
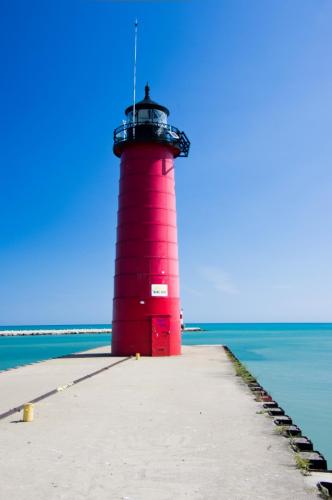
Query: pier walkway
{"points": [[150, 429]]}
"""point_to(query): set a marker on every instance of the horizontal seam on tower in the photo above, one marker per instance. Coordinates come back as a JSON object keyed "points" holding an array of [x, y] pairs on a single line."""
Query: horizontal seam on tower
{"points": [[144, 317], [140, 239], [147, 297], [147, 273], [128, 174], [150, 223], [145, 206], [145, 191], [146, 257]]}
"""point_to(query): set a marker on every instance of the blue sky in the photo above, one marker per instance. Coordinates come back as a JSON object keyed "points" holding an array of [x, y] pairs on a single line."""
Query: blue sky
{"points": [[249, 82]]}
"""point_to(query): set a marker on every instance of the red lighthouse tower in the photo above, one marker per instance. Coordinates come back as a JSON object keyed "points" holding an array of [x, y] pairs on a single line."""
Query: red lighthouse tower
{"points": [[146, 304]]}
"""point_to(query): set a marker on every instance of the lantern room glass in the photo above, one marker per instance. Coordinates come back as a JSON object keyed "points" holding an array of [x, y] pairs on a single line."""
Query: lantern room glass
{"points": [[148, 116]]}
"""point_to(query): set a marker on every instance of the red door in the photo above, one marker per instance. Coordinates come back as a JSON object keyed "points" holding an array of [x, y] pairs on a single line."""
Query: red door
{"points": [[160, 335]]}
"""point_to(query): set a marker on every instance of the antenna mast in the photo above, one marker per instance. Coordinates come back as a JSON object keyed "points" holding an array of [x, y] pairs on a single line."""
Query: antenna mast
{"points": [[135, 64]]}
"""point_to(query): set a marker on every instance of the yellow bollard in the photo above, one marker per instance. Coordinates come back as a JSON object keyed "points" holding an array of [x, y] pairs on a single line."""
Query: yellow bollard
{"points": [[138, 355], [28, 412]]}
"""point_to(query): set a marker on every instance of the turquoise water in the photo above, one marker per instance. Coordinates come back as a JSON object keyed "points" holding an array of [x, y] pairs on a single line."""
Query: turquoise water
{"points": [[292, 361], [18, 351]]}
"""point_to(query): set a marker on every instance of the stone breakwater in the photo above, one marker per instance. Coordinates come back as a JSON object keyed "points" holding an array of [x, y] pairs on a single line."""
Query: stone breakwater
{"points": [[67, 331], [70, 331]]}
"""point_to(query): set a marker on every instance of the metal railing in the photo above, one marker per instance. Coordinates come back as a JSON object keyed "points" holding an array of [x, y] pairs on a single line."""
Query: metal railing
{"points": [[152, 131]]}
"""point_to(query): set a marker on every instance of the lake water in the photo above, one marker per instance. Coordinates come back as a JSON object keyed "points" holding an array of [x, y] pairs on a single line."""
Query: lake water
{"points": [[292, 361]]}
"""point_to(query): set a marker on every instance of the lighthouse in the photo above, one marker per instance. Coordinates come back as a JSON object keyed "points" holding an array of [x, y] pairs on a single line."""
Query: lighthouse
{"points": [[146, 303]]}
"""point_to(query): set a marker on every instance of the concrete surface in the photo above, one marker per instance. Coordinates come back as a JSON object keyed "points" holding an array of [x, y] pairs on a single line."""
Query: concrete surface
{"points": [[157, 428], [313, 478]]}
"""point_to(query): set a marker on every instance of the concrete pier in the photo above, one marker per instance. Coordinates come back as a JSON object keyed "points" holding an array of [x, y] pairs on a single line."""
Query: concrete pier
{"points": [[155, 428]]}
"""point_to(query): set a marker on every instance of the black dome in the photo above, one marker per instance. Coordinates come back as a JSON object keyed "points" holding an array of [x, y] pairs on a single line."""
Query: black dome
{"points": [[147, 103]]}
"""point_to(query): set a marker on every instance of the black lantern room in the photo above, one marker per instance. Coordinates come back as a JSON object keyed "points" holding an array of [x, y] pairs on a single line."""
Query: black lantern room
{"points": [[147, 122]]}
